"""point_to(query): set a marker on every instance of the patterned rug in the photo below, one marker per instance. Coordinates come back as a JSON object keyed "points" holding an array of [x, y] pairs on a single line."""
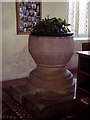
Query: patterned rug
{"points": [[11, 110]]}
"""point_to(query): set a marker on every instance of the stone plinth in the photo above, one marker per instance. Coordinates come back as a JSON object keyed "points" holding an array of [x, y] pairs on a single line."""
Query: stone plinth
{"points": [[50, 88]]}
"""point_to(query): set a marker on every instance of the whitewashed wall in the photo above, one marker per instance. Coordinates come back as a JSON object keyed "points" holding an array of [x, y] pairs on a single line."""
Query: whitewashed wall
{"points": [[89, 19], [0, 41], [16, 59], [58, 9]]}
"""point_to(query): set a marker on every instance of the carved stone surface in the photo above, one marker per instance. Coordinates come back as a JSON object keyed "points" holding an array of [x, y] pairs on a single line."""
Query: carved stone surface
{"points": [[50, 85]]}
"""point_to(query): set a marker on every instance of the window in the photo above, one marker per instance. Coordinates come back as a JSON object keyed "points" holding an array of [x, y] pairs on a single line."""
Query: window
{"points": [[78, 17]]}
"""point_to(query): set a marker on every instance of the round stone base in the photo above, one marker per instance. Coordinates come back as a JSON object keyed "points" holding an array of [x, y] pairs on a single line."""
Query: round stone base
{"points": [[51, 83], [51, 91]]}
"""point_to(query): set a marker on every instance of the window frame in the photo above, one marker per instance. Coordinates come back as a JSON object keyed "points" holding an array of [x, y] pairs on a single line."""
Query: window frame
{"points": [[75, 14]]}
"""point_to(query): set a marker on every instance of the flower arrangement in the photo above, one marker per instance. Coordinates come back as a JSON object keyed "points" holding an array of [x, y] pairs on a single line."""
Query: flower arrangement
{"points": [[51, 26]]}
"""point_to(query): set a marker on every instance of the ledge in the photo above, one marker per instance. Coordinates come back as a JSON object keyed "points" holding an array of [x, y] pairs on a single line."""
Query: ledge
{"points": [[81, 38]]}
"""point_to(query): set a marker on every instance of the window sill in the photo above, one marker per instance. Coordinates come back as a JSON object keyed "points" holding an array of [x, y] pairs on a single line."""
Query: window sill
{"points": [[81, 38]]}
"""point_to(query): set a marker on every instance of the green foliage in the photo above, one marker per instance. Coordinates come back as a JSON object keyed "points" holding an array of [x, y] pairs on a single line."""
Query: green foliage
{"points": [[52, 25]]}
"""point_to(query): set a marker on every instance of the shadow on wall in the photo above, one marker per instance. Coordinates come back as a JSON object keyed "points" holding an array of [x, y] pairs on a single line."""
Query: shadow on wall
{"points": [[20, 67]]}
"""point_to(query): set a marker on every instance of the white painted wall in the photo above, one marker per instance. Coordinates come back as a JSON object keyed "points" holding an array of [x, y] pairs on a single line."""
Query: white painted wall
{"points": [[58, 9], [17, 62], [89, 19], [0, 41], [0, 59], [16, 59]]}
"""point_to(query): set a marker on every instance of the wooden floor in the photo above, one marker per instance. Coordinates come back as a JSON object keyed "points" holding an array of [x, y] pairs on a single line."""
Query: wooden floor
{"points": [[6, 84]]}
